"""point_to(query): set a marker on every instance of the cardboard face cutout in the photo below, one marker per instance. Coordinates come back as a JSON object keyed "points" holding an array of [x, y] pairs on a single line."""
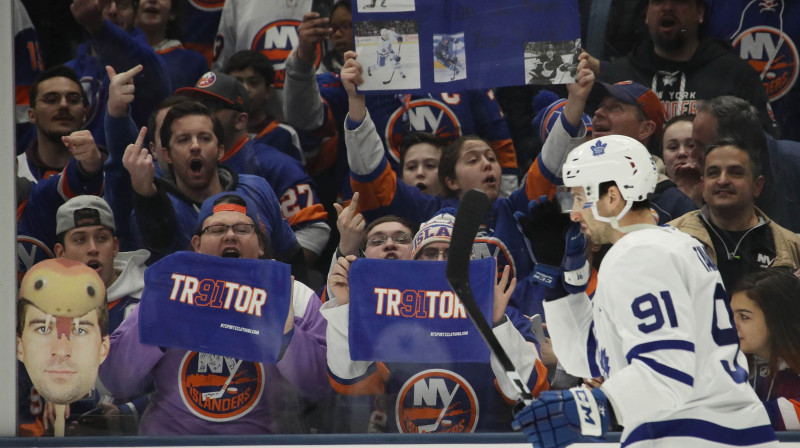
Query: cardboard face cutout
{"points": [[62, 330]]}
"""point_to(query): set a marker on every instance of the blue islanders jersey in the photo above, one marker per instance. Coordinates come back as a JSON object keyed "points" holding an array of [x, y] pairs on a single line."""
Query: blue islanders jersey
{"points": [[185, 66], [448, 115], [199, 23], [36, 215], [766, 34], [299, 203]]}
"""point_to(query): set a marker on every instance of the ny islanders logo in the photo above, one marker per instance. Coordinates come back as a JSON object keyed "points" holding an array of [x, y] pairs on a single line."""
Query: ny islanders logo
{"points": [[207, 80], [218, 388], [276, 40], [29, 252], [436, 400], [773, 55], [425, 114]]}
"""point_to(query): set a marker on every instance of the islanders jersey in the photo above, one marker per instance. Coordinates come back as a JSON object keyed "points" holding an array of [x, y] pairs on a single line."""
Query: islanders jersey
{"points": [[185, 66], [28, 66], [258, 399], [766, 34], [36, 215], [300, 205], [199, 21], [427, 398], [248, 25], [448, 115], [382, 192], [666, 344], [282, 137]]}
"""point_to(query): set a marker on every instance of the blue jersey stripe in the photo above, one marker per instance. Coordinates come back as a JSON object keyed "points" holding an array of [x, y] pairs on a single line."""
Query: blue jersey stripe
{"points": [[647, 347], [667, 371], [701, 430]]}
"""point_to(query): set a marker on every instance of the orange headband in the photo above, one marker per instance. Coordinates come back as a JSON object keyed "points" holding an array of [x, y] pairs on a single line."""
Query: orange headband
{"points": [[229, 208]]}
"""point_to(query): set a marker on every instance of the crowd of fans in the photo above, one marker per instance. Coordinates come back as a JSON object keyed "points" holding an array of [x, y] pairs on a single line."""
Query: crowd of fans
{"points": [[142, 143]]}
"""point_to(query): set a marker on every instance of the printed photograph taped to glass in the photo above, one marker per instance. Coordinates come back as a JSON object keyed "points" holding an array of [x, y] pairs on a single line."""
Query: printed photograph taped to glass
{"points": [[388, 51], [449, 57], [548, 62], [378, 6]]}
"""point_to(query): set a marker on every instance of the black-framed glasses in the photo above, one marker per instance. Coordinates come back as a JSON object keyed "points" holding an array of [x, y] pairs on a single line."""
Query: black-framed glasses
{"points": [[52, 98], [380, 239], [241, 229], [432, 253]]}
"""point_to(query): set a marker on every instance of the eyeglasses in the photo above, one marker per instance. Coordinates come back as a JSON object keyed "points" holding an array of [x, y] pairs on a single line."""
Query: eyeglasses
{"points": [[380, 239], [240, 229], [347, 26], [52, 98], [432, 253]]}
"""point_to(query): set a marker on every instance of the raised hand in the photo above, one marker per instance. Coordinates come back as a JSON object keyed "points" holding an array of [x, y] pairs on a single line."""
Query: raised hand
{"points": [[82, 146], [502, 294], [120, 90], [351, 76], [312, 31], [339, 280], [351, 226], [89, 13], [139, 163]]}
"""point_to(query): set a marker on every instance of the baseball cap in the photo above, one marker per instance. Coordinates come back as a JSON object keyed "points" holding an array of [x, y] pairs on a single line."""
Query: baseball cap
{"points": [[208, 208], [630, 92], [82, 211], [437, 229], [220, 87]]}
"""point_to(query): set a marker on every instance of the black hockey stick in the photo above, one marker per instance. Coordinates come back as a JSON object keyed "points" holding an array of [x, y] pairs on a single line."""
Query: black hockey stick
{"points": [[397, 53], [468, 219]]}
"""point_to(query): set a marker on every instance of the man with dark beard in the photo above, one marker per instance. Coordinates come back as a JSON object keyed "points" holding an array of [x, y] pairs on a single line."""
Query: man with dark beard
{"points": [[57, 108], [682, 67]]}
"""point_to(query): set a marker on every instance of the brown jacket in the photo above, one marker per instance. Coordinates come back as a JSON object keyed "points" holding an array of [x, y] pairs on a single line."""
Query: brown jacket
{"points": [[787, 243]]}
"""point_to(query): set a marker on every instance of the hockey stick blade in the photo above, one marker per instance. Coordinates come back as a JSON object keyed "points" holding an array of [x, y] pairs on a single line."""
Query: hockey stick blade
{"points": [[470, 213]]}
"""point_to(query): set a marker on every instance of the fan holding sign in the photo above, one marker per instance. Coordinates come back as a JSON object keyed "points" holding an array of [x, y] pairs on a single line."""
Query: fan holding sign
{"points": [[413, 345], [245, 342]]}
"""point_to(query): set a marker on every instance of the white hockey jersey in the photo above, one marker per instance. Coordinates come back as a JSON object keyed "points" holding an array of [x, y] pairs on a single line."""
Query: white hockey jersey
{"points": [[666, 344], [385, 45]]}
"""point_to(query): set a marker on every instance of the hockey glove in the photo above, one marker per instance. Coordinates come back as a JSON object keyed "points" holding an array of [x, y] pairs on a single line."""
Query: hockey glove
{"points": [[399, 38], [559, 418], [557, 247], [397, 58]]}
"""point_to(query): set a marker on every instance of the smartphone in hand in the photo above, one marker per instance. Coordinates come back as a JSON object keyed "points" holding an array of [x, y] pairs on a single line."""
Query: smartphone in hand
{"points": [[323, 7]]}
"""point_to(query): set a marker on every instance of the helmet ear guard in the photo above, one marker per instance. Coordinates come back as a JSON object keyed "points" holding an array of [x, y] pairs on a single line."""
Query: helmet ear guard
{"points": [[614, 158]]}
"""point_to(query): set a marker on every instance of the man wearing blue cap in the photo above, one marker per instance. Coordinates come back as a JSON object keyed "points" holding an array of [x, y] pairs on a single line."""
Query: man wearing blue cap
{"points": [[625, 108]]}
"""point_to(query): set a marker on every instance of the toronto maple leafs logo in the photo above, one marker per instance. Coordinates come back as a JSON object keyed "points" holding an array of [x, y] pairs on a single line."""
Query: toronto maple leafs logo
{"points": [[604, 362], [598, 148]]}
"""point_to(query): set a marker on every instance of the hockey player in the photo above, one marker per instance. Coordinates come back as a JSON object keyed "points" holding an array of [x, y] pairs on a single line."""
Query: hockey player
{"points": [[666, 344], [265, 397], [445, 52], [386, 51], [372, 5]]}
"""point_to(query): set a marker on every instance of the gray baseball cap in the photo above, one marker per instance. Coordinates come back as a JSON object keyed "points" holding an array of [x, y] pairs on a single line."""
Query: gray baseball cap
{"points": [[82, 211], [217, 86]]}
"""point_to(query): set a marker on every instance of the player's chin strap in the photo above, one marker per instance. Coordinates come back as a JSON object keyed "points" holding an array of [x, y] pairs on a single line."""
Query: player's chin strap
{"points": [[614, 220]]}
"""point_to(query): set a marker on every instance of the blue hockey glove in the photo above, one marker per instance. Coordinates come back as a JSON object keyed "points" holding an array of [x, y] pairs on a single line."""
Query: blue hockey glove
{"points": [[399, 38], [557, 247], [559, 418]]}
